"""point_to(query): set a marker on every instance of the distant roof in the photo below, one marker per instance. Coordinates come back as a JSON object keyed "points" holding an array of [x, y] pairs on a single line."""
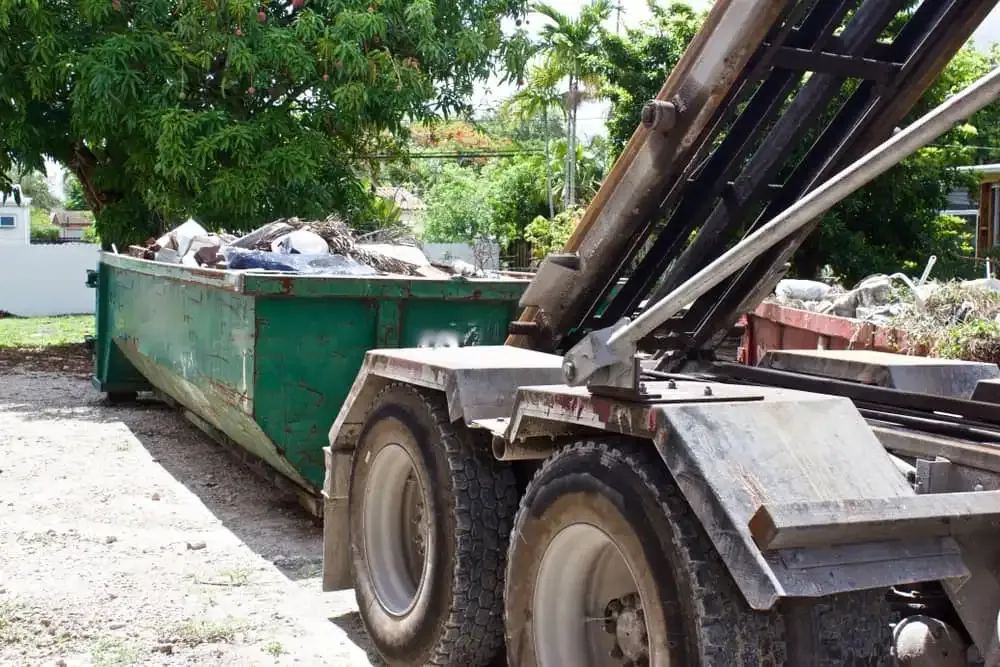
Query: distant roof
{"points": [[404, 199], [72, 218], [982, 168]]}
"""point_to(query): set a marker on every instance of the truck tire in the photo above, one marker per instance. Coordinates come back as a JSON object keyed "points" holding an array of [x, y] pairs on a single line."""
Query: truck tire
{"points": [[430, 514], [608, 566]]}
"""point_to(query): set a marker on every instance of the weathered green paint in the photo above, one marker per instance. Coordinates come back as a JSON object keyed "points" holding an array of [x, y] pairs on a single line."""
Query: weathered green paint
{"points": [[268, 359], [112, 371]]}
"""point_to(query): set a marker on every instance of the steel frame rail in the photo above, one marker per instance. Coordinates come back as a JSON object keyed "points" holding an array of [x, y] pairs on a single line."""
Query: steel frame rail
{"points": [[808, 101]]}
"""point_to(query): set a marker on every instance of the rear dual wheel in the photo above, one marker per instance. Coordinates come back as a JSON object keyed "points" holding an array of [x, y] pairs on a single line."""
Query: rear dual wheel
{"points": [[608, 568], [430, 514]]}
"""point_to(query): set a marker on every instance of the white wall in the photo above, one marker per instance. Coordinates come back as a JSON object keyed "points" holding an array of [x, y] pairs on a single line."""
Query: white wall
{"points": [[44, 279], [21, 234], [484, 255]]}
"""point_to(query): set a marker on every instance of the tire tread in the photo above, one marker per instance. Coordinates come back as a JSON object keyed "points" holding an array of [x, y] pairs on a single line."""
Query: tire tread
{"points": [[849, 629], [484, 501]]}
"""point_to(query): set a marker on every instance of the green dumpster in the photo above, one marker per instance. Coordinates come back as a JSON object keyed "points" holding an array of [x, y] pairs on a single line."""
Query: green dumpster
{"points": [[267, 359]]}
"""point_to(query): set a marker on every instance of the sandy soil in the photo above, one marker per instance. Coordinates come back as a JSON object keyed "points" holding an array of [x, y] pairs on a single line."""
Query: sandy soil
{"points": [[129, 538]]}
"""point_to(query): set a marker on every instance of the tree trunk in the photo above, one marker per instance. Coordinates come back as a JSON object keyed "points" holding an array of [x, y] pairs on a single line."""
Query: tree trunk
{"points": [[82, 165], [548, 164], [570, 188]]}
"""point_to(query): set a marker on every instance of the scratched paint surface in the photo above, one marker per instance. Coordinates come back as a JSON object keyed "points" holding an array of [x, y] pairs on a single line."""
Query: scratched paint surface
{"points": [[270, 368], [201, 334]]}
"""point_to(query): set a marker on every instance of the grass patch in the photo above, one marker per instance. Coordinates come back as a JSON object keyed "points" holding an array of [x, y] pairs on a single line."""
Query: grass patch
{"points": [[11, 630], [206, 631], [957, 322], [39, 332], [274, 649], [237, 576], [114, 652], [234, 577]]}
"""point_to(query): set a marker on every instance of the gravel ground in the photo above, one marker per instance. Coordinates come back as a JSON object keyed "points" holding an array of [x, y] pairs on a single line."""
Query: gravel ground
{"points": [[129, 538]]}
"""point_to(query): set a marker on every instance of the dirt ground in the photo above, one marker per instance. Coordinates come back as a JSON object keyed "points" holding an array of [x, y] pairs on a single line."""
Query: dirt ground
{"points": [[129, 538]]}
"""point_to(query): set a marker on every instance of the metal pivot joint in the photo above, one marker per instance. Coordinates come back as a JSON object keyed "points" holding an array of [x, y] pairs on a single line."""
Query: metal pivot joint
{"points": [[607, 356], [659, 116]]}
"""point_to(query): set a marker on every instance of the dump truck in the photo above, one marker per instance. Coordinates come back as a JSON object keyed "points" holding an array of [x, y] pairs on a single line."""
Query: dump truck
{"points": [[601, 490]]}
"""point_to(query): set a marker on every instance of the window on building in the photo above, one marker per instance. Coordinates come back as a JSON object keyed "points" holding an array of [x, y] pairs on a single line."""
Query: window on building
{"points": [[8, 221]]}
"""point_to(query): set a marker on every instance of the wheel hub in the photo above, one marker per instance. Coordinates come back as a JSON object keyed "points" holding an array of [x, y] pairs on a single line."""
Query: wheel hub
{"points": [[396, 530], [625, 620], [586, 608]]}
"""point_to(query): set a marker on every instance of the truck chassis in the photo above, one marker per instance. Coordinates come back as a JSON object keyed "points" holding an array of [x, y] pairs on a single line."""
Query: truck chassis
{"points": [[600, 491]]}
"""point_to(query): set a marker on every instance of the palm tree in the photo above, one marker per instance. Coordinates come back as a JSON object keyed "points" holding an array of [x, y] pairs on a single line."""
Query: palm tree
{"points": [[571, 51], [540, 96]]}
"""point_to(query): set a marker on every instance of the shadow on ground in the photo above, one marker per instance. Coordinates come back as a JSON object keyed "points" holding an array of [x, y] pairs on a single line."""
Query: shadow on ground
{"points": [[352, 625], [268, 519], [354, 628]]}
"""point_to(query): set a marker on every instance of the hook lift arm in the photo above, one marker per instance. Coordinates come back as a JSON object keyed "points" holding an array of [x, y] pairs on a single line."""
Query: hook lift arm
{"points": [[608, 357]]}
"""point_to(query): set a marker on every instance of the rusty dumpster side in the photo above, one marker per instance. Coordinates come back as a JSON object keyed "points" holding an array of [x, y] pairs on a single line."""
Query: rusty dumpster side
{"points": [[775, 327]]}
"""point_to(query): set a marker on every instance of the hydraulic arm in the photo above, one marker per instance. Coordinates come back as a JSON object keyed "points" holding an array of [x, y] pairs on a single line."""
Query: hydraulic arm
{"points": [[607, 355], [770, 100]]}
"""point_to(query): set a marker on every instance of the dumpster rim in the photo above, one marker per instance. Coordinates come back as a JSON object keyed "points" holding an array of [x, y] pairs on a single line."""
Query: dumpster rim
{"points": [[289, 284]]}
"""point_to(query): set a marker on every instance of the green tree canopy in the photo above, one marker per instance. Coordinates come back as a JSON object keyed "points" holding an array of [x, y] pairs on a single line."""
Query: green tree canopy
{"points": [[75, 200], [636, 63], [895, 223], [500, 198], [571, 49], [232, 111], [33, 185], [458, 207]]}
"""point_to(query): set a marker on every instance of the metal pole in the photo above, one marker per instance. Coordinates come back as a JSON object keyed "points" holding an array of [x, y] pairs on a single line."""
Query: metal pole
{"points": [[622, 342]]}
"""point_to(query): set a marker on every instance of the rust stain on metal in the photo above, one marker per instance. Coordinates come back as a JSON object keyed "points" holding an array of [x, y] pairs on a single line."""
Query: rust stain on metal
{"points": [[750, 483], [233, 395], [569, 403], [602, 408]]}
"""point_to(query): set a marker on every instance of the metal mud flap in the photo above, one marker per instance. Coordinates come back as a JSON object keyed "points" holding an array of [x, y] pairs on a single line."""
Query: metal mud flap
{"points": [[801, 500]]}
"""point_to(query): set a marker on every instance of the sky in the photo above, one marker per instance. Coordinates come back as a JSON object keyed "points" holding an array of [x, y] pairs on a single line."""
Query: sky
{"points": [[592, 114]]}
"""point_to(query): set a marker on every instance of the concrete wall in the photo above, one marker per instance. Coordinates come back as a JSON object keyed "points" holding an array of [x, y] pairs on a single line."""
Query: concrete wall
{"points": [[484, 255], [47, 279], [20, 233]]}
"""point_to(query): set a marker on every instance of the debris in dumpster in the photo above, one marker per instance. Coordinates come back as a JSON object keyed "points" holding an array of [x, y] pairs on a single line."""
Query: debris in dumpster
{"points": [[431, 271], [301, 241], [323, 247], [327, 264], [955, 319], [404, 253], [168, 255], [872, 299], [263, 236], [185, 234], [203, 250], [140, 252]]}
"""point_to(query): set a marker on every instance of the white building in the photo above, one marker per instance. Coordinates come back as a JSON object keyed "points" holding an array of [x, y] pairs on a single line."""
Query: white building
{"points": [[72, 224], [15, 221]]}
